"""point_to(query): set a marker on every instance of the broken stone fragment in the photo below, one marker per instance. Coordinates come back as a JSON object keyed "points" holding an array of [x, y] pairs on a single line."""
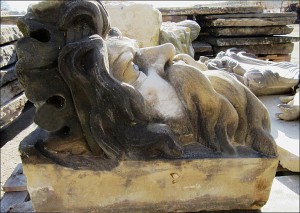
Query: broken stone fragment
{"points": [[180, 34], [136, 21]]}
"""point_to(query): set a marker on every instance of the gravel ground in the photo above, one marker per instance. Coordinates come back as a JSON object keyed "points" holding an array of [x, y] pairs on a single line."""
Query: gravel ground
{"points": [[10, 155]]}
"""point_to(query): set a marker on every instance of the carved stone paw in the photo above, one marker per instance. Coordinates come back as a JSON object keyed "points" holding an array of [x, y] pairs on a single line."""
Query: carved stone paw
{"points": [[290, 108]]}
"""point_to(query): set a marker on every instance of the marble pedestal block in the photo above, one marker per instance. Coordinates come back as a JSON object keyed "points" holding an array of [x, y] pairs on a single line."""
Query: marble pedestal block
{"points": [[181, 185]]}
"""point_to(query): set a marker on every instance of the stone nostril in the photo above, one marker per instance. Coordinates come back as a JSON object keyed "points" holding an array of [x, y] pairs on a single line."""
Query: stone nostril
{"points": [[56, 101], [64, 131], [41, 35]]}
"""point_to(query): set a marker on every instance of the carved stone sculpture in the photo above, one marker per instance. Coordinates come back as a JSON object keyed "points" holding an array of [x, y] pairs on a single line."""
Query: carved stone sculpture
{"points": [[108, 109], [261, 77]]}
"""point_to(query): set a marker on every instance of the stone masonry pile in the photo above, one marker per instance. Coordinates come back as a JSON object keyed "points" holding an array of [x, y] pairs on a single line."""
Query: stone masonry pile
{"points": [[247, 28], [12, 96]]}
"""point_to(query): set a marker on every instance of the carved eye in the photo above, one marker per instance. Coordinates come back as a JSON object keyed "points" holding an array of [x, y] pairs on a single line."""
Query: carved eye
{"points": [[136, 67]]}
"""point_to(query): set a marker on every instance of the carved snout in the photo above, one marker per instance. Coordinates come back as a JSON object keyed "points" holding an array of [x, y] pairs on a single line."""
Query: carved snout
{"points": [[155, 58]]}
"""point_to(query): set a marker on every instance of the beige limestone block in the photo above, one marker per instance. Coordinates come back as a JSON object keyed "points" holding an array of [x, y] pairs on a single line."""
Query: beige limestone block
{"points": [[153, 186], [136, 21]]}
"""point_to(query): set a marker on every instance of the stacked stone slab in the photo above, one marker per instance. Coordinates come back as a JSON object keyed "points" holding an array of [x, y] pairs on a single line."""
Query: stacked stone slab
{"points": [[201, 47], [260, 33], [12, 96], [247, 28]]}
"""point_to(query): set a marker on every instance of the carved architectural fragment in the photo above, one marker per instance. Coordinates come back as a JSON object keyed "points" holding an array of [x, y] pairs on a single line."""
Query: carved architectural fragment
{"points": [[106, 106]]}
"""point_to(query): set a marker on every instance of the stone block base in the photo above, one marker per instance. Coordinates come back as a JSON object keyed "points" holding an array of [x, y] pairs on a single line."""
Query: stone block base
{"points": [[182, 185]]}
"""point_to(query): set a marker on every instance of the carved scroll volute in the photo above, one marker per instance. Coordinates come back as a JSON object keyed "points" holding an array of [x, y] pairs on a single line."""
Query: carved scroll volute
{"points": [[84, 18]]}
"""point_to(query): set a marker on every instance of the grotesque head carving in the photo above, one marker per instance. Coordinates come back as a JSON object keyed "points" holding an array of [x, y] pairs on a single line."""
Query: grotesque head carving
{"points": [[128, 102]]}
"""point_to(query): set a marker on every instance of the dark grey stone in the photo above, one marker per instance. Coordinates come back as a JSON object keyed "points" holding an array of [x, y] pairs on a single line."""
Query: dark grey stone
{"points": [[251, 15], [250, 40], [202, 10], [285, 48], [250, 31], [249, 22], [201, 47]]}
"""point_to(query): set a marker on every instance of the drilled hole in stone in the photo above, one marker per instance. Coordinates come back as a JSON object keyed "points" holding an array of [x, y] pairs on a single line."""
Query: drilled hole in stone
{"points": [[56, 101], [64, 131], [41, 35]]}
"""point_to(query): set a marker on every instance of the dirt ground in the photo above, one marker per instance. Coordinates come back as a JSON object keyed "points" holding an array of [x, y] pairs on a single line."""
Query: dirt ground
{"points": [[10, 155]]}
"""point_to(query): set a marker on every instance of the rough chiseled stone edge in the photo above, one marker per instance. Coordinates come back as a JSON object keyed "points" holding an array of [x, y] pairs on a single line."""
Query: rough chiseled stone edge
{"points": [[11, 110], [10, 90], [8, 55], [9, 33], [8, 74]]}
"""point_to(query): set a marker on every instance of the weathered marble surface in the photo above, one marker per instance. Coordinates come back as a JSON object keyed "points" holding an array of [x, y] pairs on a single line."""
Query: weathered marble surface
{"points": [[261, 77], [112, 114], [9, 33], [250, 31], [137, 98], [137, 21], [185, 185], [180, 34]]}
